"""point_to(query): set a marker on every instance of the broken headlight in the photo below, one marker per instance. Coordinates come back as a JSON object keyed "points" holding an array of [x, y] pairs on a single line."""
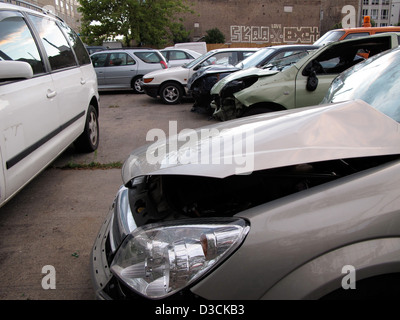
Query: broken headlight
{"points": [[158, 260]]}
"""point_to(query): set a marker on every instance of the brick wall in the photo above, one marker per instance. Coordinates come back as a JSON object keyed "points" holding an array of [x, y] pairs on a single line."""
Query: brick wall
{"points": [[260, 22]]}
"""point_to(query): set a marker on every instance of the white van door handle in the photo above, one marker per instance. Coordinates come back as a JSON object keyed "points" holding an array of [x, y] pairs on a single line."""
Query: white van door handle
{"points": [[83, 81], [51, 94]]}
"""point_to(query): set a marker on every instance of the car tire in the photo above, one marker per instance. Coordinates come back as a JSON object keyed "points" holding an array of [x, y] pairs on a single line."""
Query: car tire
{"points": [[171, 93], [88, 141], [137, 85]]}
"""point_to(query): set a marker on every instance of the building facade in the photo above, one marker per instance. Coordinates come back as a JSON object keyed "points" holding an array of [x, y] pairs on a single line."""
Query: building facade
{"points": [[382, 12], [288, 21]]}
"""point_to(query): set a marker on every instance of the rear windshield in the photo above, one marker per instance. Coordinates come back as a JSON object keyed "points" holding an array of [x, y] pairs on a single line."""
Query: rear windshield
{"points": [[149, 57]]}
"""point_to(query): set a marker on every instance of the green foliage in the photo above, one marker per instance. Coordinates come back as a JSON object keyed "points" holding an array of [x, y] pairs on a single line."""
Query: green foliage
{"points": [[147, 22], [214, 36]]}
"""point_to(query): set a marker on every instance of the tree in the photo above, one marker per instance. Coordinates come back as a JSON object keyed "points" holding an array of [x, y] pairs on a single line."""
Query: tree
{"points": [[214, 36], [147, 22]]}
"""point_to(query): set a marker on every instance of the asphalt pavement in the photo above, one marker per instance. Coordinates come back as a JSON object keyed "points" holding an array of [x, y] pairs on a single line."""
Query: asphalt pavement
{"points": [[48, 229]]}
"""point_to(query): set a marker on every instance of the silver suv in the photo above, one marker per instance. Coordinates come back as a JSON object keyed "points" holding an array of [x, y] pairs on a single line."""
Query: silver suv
{"points": [[48, 94], [125, 68]]}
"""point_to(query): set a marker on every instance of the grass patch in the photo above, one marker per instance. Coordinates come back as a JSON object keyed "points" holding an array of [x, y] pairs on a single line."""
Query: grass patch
{"points": [[92, 166]]}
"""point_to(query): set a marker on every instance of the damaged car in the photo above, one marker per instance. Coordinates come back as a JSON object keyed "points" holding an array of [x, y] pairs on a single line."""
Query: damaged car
{"points": [[200, 83], [171, 85], [297, 204], [305, 83]]}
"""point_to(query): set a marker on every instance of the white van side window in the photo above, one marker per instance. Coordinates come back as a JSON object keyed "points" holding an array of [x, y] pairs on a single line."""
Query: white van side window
{"points": [[56, 45], [17, 43]]}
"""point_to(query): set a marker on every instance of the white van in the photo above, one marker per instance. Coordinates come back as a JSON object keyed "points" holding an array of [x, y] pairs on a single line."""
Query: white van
{"points": [[48, 94], [200, 47]]}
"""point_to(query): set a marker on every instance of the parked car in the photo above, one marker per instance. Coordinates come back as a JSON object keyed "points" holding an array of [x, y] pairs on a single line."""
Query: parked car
{"points": [[125, 68], [304, 205], [170, 85], [201, 82], [254, 90], [93, 49], [200, 47], [351, 33], [179, 57], [48, 94]]}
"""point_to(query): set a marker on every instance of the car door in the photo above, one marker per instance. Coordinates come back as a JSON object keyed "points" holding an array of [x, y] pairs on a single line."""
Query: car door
{"points": [[29, 115], [69, 83], [120, 70], [99, 61], [316, 75]]}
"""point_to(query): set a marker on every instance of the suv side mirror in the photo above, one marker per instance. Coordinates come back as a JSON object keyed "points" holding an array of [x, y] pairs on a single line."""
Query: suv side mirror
{"points": [[15, 70], [312, 81]]}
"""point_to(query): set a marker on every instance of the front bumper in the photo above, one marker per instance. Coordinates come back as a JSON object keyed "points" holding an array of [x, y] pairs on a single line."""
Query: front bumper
{"points": [[151, 90], [110, 236]]}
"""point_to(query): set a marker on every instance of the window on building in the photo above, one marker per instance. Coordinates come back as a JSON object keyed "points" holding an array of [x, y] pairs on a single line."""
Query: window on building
{"points": [[384, 14], [375, 2], [366, 2], [374, 14]]}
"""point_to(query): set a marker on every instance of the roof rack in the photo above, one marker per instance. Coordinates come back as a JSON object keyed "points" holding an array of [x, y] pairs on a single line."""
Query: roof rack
{"points": [[32, 6]]}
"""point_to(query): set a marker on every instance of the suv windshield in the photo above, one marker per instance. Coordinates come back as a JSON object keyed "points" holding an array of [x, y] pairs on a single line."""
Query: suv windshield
{"points": [[375, 81], [196, 61], [330, 36], [255, 58]]}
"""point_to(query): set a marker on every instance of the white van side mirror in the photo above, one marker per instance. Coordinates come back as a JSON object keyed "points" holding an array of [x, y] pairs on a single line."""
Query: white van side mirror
{"points": [[14, 70]]}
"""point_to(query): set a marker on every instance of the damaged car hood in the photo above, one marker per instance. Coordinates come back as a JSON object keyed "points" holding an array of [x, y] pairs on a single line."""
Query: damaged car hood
{"points": [[335, 131], [253, 71], [208, 70]]}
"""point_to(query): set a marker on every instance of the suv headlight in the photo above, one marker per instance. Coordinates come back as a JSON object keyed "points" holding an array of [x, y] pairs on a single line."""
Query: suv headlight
{"points": [[160, 259]]}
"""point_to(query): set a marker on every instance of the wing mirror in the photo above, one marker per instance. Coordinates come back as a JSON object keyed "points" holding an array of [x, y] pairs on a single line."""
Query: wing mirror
{"points": [[15, 70], [312, 81]]}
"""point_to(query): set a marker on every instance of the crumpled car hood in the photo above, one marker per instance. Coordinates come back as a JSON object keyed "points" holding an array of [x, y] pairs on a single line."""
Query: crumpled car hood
{"points": [[253, 71], [326, 132], [204, 71]]}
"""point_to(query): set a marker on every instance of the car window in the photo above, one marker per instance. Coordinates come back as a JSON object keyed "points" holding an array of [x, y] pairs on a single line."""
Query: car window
{"points": [[120, 59], [148, 57], [17, 43], [177, 55], [79, 48], [57, 48], [222, 58], [357, 35], [99, 60]]}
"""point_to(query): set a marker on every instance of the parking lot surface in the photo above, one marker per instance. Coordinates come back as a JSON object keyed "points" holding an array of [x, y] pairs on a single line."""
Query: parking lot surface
{"points": [[49, 227]]}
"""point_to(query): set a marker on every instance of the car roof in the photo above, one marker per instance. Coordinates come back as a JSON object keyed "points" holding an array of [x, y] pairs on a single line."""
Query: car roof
{"points": [[128, 49], [30, 8], [234, 49]]}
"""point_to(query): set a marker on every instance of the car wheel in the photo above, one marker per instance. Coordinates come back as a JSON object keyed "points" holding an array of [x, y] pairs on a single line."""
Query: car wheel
{"points": [[171, 93], [137, 85], [88, 141]]}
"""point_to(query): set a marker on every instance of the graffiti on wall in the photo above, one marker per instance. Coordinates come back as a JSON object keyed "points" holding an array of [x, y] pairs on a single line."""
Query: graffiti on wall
{"points": [[274, 34]]}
